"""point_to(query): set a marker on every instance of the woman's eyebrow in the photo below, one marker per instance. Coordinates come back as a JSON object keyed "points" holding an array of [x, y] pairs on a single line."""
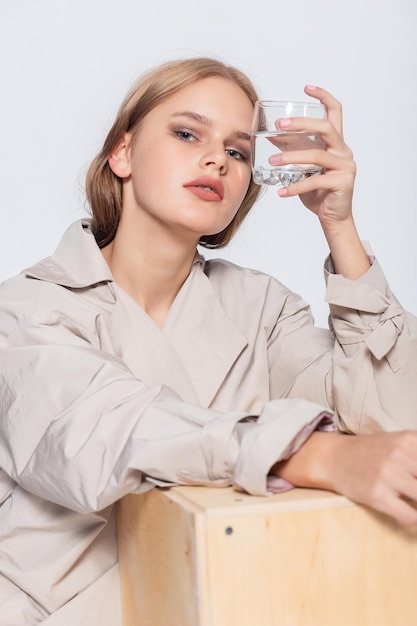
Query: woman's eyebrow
{"points": [[194, 116], [202, 119]]}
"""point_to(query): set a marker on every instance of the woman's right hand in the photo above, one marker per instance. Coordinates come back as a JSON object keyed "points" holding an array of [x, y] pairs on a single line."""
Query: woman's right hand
{"points": [[378, 470]]}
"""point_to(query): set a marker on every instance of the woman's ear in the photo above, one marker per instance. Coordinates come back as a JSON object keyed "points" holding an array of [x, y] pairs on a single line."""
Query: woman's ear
{"points": [[119, 160]]}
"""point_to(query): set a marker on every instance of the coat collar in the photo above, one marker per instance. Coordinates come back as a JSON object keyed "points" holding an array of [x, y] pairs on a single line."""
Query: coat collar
{"points": [[76, 263], [198, 332]]}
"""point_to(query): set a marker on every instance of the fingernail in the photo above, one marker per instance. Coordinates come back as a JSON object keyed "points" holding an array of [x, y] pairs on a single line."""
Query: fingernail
{"points": [[285, 122], [275, 159], [311, 87], [283, 192]]}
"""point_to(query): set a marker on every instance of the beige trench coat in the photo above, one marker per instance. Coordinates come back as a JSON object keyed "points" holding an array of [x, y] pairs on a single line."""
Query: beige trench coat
{"points": [[97, 401]]}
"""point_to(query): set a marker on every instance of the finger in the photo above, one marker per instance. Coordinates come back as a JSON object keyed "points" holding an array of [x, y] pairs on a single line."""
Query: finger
{"points": [[333, 106], [329, 134], [328, 160], [399, 509], [396, 493], [297, 141], [409, 449], [400, 468], [332, 182]]}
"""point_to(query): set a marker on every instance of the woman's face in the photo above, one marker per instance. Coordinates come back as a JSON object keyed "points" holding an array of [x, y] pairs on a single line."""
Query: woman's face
{"points": [[188, 167]]}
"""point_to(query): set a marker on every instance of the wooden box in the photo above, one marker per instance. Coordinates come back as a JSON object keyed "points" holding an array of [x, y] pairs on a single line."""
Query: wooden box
{"points": [[192, 556]]}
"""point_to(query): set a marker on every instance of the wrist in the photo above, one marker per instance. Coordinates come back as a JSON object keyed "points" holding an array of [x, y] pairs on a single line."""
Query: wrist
{"points": [[348, 254], [313, 464]]}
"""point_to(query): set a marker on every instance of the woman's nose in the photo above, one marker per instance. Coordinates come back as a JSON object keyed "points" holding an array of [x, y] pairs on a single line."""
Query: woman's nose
{"points": [[215, 156]]}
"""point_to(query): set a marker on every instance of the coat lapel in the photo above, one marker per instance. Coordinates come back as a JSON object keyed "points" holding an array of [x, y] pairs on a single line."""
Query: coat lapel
{"points": [[198, 345], [203, 336], [196, 348], [142, 346]]}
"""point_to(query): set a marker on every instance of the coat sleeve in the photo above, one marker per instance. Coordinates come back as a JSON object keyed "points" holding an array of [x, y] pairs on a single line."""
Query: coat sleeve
{"points": [[364, 369], [375, 354], [78, 429]]}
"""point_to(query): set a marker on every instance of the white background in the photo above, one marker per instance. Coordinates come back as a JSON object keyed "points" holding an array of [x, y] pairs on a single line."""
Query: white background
{"points": [[66, 65]]}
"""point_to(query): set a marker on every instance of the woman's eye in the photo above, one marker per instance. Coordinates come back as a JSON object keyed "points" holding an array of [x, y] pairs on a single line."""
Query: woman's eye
{"points": [[235, 154], [185, 135]]}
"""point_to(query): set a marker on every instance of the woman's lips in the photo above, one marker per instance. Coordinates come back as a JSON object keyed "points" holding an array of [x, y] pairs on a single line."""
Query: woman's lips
{"points": [[206, 188]]}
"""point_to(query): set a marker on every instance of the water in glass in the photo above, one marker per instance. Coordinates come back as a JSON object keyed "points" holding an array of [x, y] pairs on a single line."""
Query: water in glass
{"points": [[265, 144]]}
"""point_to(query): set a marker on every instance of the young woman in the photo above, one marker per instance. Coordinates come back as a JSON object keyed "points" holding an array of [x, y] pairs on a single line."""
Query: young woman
{"points": [[128, 361]]}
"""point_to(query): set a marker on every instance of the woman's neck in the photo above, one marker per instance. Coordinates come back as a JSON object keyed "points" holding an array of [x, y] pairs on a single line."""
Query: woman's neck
{"points": [[151, 269]]}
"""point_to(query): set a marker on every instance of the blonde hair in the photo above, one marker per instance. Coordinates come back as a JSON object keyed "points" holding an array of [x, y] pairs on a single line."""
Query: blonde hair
{"points": [[104, 188]]}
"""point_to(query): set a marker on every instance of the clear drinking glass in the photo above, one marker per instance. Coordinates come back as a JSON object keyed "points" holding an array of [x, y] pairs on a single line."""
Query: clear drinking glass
{"points": [[267, 140]]}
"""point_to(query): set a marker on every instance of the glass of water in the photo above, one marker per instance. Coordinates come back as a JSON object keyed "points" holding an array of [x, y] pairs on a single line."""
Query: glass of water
{"points": [[267, 140]]}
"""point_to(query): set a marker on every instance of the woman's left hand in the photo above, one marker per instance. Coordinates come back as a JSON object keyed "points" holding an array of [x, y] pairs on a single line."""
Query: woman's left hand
{"points": [[328, 195]]}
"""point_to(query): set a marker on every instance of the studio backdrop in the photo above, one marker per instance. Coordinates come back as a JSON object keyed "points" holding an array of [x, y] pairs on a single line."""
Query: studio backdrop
{"points": [[66, 65]]}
